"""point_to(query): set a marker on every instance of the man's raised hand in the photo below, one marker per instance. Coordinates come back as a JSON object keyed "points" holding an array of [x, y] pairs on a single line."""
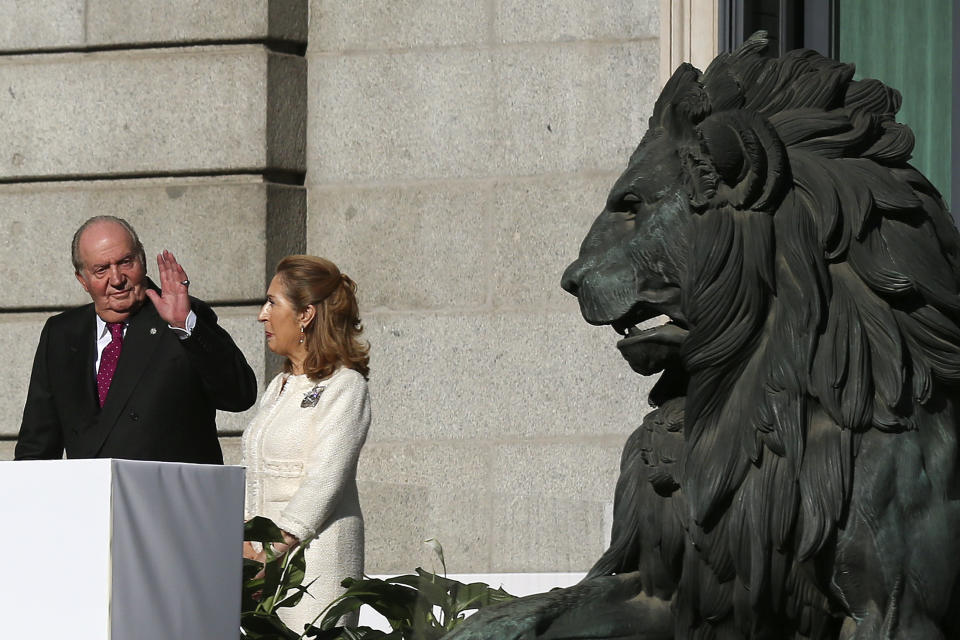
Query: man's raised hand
{"points": [[172, 303]]}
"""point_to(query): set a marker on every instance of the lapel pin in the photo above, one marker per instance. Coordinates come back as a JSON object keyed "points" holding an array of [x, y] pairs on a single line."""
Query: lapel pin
{"points": [[153, 331], [312, 397]]}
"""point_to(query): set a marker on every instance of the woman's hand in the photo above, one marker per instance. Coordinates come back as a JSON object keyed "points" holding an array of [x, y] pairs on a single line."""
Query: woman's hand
{"points": [[252, 554], [290, 542]]}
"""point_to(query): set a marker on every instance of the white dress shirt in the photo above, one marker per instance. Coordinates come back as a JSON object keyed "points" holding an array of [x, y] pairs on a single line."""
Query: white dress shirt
{"points": [[104, 337]]}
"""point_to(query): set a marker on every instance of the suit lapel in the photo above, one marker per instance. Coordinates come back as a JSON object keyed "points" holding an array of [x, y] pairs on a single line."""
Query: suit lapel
{"points": [[144, 332], [80, 358]]}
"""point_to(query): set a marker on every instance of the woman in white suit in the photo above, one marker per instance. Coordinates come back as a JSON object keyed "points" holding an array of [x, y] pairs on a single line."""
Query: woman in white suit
{"points": [[301, 448]]}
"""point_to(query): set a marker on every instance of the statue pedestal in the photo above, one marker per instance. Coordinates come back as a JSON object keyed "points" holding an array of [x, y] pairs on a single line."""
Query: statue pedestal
{"points": [[121, 549]]}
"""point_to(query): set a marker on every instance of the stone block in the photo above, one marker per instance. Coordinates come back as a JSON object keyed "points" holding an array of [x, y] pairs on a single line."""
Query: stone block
{"points": [[462, 466], [399, 24], [286, 228], [18, 343], [400, 518], [460, 492], [537, 226], [576, 107], [456, 376], [393, 527], [462, 113], [19, 333], [113, 22], [467, 490], [417, 114], [566, 20], [227, 232], [533, 533], [451, 480], [479, 532], [241, 323], [232, 450], [41, 25], [406, 247], [584, 468], [286, 113], [75, 24], [151, 111]]}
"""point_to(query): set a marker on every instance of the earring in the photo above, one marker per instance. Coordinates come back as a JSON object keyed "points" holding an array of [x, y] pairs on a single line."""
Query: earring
{"points": [[301, 334]]}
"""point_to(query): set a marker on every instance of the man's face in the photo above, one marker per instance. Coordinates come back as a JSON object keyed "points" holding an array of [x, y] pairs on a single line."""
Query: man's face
{"points": [[112, 271]]}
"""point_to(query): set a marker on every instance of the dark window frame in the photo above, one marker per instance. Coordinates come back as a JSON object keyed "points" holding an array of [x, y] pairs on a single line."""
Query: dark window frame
{"points": [[739, 18], [955, 124]]}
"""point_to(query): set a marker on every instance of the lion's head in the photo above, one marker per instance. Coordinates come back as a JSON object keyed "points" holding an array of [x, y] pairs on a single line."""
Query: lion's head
{"points": [[809, 273]]}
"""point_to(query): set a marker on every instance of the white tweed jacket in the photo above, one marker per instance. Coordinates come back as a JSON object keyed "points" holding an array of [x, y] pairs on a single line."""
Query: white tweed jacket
{"points": [[301, 456]]}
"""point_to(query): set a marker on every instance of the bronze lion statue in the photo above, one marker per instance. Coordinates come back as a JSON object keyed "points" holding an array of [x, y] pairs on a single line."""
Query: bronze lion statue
{"points": [[800, 474]]}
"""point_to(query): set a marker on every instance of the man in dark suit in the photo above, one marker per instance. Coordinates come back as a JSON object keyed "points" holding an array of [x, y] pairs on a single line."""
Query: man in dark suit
{"points": [[137, 374]]}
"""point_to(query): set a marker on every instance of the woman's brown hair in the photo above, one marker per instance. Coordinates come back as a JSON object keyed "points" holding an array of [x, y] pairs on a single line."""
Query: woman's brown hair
{"points": [[332, 338]]}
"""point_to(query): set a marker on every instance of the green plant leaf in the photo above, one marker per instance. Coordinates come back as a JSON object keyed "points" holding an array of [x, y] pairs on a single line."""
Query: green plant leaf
{"points": [[349, 633], [433, 591], [476, 595], [272, 590], [352, 633], [419, 606], [431, 588], [250, 569], [295, 572], [396, 603], [293, 599], [279, 586], [260, 529], [251, 596], [338, 609], [282, 572], [260, 626], [425, 576]]}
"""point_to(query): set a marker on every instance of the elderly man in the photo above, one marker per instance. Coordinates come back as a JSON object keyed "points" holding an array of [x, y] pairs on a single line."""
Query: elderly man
{"points": [[137, 374]]}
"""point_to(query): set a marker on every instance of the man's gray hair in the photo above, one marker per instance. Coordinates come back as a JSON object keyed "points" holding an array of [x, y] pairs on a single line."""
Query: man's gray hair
{"points": [[135, 239]]}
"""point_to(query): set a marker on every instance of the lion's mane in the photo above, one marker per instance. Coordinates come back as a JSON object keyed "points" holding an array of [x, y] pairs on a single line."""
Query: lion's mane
{"points": [[822, 295]]}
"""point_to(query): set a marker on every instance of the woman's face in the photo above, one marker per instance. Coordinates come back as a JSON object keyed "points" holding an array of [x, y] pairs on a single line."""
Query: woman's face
{"points": [[280, 322]]}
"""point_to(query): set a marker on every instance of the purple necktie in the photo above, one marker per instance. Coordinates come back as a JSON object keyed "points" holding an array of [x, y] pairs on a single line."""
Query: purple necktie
{"points": [[108, 360]]}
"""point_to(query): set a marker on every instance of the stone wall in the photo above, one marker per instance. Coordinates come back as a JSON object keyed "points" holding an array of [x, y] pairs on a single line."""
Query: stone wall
{"points": [[452, 156]]}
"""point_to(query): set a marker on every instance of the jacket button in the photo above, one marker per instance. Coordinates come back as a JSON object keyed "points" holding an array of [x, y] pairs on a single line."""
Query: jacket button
{"points": [[134, 416]]}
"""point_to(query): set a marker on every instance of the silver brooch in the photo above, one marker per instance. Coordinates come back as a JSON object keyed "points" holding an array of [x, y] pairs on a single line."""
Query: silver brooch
{"points": [[312, 397]]}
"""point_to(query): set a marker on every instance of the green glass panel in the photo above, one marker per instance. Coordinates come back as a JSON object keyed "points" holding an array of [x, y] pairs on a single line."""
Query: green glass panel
{"points": [[908, 45]]}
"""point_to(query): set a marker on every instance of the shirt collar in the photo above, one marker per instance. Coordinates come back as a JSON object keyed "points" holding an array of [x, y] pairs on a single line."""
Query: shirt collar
{"points": [[102, 330]]}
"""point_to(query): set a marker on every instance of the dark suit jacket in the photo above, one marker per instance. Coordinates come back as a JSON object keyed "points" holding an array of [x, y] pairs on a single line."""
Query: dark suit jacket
{"points": [[162, 401]]}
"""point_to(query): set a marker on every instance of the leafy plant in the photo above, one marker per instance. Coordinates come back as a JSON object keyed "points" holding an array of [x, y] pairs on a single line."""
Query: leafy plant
{"points": [[420, 606], [270, 585]]}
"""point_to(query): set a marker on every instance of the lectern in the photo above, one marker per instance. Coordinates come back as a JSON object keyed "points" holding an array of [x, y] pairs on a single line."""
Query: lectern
{"points": [[120, 550]]}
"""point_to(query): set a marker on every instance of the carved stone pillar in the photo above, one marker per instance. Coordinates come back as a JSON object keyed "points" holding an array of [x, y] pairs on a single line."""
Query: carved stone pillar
{"points": [[688, 33]]}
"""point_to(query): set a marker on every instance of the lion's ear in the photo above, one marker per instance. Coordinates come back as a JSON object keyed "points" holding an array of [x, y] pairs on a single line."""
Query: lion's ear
{"points": [[682, 103], [740, 161]]}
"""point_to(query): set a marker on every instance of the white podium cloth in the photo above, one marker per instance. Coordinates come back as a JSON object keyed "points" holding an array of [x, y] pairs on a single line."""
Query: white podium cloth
{"points": [[121, 550]]}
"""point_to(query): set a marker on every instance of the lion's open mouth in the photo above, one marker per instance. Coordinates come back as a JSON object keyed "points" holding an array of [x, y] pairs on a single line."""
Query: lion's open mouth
{"points": [[667, 333], [651, 349]]}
